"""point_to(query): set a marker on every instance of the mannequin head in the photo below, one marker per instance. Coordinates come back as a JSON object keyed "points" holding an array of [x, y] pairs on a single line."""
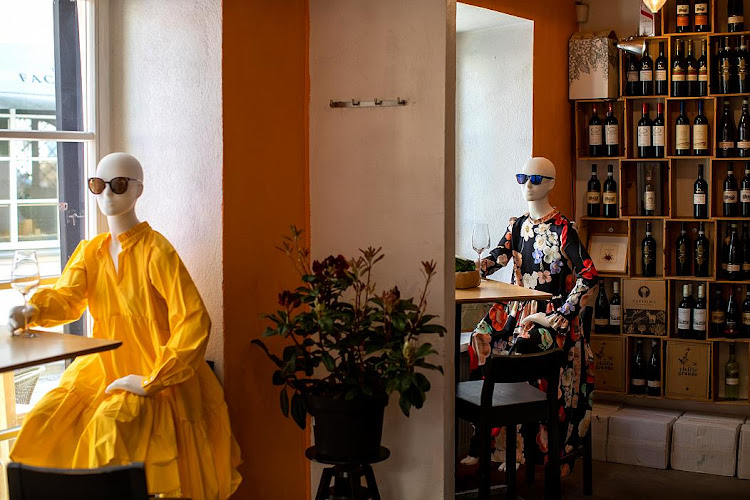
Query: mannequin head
{"points": [[119, 165], [538, 166]]}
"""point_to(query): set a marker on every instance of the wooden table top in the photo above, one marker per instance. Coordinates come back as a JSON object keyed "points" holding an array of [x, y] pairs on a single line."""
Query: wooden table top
{"points": [[20, 352], [493, 291]]}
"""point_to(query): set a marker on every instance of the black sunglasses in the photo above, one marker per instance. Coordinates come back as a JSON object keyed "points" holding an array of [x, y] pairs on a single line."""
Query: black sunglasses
{"points": [[118, 185], [535, 179]]}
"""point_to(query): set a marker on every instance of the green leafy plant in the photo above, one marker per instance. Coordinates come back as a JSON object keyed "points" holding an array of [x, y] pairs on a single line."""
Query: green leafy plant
{"points": [[463, 265], [346, 340]]}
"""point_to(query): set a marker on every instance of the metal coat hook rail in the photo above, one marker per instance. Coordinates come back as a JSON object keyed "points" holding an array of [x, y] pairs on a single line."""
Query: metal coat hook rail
{"points": [[375, 103]]}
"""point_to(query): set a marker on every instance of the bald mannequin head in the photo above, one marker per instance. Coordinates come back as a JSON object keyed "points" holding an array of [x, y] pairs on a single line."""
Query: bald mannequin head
{"points": [[119, 165], [538, 166]]}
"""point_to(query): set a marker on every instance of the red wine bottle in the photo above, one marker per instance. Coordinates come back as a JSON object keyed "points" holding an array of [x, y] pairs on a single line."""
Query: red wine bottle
{"points": [[725, 136], [683, 260], [657, 132], [679, 85], [735, 16], [700, 132], [743, 132], [702, 255], [732, 322], [685, 314], [734, 255], [644, 134], [611, 132], [682, 133], [703, 71], [609, 196], [741, 83], [730, 193], [701, 16], [648, 254], [718, 315], [594, 194], [691, 71], [654, 371], [601, 311], [699, 315], [632, 87], [595, 134], [638, 370], [646, 74], [661, 67], [700, 196], [683, 16], [615, 309]]}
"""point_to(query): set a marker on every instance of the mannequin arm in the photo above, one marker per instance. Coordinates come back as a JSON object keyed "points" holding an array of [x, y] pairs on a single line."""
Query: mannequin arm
{"points": [[189, 323], [500, 255], [129, 383]]}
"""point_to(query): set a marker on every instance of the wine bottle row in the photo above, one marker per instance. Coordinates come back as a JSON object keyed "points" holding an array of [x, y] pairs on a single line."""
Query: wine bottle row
{"points": [[735, 254], [728, 318], [692, 258], [604, 136], [645, 378], [733, 141], [732, 376], [601, 204], [696, 20], [608, 312], [731, 67]]}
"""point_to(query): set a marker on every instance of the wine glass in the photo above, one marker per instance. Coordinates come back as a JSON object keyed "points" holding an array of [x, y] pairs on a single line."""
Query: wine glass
{"points": [[480, 241], [25, 279]]}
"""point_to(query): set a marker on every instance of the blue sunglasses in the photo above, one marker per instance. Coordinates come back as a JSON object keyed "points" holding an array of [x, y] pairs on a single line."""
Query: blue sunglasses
{"points": [[535, 179]]}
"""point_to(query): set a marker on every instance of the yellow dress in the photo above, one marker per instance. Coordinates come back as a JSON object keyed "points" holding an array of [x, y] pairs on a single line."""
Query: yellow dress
{"points": [[180, 430]]}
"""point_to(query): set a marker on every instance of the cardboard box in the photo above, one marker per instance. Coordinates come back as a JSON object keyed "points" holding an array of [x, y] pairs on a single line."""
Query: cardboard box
{"points": [[600, 428], [688, 370], [645, 306], [593, 71], [706, 443], [610, 358], [743, 453], [641, 437]]}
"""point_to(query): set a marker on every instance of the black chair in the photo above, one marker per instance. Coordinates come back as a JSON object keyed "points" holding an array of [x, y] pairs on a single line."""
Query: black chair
{"points": [[505, 399], [127, 482]]}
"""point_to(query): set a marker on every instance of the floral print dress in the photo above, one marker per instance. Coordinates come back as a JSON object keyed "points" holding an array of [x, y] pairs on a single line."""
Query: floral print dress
{"points": [[547, 255]]}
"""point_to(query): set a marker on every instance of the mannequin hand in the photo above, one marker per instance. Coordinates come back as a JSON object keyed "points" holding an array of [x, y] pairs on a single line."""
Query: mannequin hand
{"points": [[16, 316], [538, 318], [130, 383]]}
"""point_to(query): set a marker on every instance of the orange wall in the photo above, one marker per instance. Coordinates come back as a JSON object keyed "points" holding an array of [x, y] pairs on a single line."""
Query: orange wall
{"points": [[265, 184], [554, 23]]}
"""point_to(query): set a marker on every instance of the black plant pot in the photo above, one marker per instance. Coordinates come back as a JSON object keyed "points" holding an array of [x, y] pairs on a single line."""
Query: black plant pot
{"points": [[347, 431]]}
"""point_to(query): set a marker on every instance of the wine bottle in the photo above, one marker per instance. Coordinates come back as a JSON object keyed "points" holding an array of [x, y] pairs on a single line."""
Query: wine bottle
{"points": [[661, 66], [638, 370], [718, 315], [699, 315], [594, 194], [682, 253], [657, 132], [730, 193], [649, 194], [743, 133], [703, 71], [601, 311], [648, 254], [745, 252], [644, 134], [724, 254], [679, 85], [734, 255], [701, 253], [745, 192], [611, 132], [732, 376], [691, 71], [683, 16], [615, 309], [746, 315], [741, 83], [725, 136], [700, 196], [701, 16], [609, 197], [735, 16], [595, 133], [654, 371], [646, 73], [633, 87], [726, 70], [682, 133], [700, 132], [685, 314], [731, 326]]}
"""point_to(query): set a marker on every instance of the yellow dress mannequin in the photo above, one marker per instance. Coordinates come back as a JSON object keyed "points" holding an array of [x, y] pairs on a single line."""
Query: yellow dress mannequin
{"points": [[153, 400]]}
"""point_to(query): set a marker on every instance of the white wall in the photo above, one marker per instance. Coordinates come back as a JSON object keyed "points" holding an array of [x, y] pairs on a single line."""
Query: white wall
{"points": [[384, 177], [619, 15], [165, 67], [494, 92]]}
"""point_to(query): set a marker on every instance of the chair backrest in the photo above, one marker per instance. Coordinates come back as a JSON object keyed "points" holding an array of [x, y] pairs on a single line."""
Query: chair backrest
{"points": [[524, 368], [127, 482]]}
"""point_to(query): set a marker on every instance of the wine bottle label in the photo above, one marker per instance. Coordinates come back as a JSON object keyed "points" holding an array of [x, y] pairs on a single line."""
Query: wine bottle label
{"points": [[742, 69], [700, 256], [731, 326], [699, 320], [649, 200], [730, 196], [654, 383], [678, 74], [644, 136], [699, 198], [601, 321], [746, 267], [724, 70], [661, 75], [702, 74], [658, 135], [733, 268], [611, 135], [595, 135], [692, 74], [701, 14], [743, 144], [638, 381], [593, 197], [700, 137], [726, 144], [682, 254], [683, 318], [717, 317], [609, 198], [736, 19], [614, 315], [683, 10], [632, 76], [682, 137], [646, 75], [746, 318], [732, 381], [745, 196]]}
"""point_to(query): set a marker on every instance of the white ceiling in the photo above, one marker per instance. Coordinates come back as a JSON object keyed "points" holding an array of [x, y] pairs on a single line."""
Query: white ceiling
{"points": [[471, 18]]}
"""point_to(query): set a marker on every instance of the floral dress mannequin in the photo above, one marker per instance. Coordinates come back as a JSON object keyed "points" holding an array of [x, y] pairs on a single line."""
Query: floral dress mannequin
{"points": [[547, 255]]}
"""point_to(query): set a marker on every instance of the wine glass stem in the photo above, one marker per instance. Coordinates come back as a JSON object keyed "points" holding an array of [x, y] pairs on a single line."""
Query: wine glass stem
{"points": [[25, 318], [479, 263]]}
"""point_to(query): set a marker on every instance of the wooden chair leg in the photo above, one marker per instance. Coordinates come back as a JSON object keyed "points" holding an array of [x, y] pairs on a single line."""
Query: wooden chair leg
{"points": [[529, 453], [325, 484], [552, 471], [510, 462], [588, 473], [485, 462], [372, 486]]}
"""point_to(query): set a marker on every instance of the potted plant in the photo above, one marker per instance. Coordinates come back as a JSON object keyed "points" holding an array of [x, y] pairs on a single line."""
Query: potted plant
{"points": [[350, 347]]}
